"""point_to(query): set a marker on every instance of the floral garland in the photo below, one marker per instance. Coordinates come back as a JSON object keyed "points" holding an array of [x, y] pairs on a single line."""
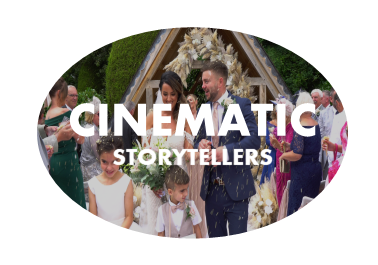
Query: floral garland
{"points": [[206, 44], [263, 207]]}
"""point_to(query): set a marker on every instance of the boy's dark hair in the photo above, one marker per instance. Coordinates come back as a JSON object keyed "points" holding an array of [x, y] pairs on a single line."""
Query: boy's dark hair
{"points": [[216, 67], [109, 143], [175, 175]]}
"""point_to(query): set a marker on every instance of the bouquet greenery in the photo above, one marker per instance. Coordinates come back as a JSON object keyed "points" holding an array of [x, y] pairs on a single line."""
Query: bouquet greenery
{"points": [[152, 175]]}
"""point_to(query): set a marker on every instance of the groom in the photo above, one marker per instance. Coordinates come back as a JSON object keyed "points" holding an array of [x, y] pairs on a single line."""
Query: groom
{"points": [[225, 189]]}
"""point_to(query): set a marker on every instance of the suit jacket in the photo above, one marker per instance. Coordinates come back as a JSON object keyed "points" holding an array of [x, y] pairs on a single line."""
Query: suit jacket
{"points": [[238, 180], [128, 136], [319, 110]]}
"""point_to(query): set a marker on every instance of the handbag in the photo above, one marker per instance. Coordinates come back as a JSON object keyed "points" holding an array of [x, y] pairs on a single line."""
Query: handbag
{"points": [[284, 164]]}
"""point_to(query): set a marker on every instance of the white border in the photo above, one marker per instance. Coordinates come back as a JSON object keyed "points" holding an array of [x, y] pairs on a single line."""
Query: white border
{"points": [[42, 40]]}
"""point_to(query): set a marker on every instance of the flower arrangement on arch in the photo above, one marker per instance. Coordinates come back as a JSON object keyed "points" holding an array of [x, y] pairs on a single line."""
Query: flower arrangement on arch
{"points": [[263, 207]]}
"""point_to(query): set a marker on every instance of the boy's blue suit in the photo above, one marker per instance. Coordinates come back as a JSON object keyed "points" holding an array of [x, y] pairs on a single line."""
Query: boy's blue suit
{"points": [[229, 202]]}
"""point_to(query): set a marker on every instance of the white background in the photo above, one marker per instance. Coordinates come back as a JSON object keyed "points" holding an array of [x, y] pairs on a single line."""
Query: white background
{"points": [[42, 39]]}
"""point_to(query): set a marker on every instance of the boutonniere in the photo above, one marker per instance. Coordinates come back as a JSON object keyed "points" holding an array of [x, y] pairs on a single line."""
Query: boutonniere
{"points": [[317, 112], [226, 102], [190, 213]]}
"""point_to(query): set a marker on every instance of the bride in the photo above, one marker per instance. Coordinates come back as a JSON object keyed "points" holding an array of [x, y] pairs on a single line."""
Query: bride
{"points": [[170, 92]]}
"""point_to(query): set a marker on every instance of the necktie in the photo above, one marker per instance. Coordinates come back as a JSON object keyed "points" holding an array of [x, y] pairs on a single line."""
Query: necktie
{"points": [[180, 206], [215, 123]]}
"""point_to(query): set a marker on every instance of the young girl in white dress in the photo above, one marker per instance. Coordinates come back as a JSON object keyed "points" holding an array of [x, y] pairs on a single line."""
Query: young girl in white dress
{"points": [[111, 192]]}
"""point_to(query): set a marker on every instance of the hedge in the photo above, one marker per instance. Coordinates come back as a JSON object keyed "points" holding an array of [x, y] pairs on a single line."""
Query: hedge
{"points": [[88, 77], [124, 60]]}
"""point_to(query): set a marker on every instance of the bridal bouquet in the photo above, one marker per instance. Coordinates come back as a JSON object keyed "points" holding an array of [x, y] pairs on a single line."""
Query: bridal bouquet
{"points": [[263, 207], [152, 175]]}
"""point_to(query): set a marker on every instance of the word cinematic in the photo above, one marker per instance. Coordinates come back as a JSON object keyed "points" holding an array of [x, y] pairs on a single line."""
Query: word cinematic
{"points": [[232, 121]]}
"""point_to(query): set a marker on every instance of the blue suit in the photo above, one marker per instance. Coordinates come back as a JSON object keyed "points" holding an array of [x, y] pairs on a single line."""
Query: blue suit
{"points": [[229, 202]]}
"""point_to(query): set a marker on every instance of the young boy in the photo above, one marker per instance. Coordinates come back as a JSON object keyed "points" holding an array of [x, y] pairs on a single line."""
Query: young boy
{"points": [[178, 217]]}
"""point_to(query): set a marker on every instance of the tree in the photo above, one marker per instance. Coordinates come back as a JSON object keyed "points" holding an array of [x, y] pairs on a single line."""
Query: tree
{"points": [[124, 60], [295, 71]]}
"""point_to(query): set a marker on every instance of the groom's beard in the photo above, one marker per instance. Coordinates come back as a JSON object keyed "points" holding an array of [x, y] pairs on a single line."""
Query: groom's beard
{"points": [[213, 94]]}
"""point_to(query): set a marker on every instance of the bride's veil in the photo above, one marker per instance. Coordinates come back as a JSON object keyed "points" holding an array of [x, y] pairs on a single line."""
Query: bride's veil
{"points": [[159, 99]]}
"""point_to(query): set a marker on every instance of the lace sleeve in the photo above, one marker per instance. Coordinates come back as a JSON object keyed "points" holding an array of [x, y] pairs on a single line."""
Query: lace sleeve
{"points": [[147, 139], [189, 137], [297, 144]]}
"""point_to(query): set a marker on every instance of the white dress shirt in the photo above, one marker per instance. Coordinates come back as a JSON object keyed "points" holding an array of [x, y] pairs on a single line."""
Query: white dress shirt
{"points": [[220, 114], [176, 217], [338, 123], [325, 120], [68, 107]]}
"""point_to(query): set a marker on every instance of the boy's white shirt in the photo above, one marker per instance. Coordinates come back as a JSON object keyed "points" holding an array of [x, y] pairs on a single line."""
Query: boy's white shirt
{"points": [[176, 217]]}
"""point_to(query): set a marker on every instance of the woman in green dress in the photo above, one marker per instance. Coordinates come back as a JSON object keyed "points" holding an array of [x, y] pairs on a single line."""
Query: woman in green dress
{"points": [[64, 164]]}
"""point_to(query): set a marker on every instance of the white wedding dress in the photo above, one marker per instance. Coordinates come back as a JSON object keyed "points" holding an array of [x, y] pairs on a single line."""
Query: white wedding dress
{"points": [[150, 203]]}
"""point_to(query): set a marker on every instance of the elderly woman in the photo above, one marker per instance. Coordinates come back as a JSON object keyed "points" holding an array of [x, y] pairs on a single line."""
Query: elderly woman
{"points": [[306, 170], [275, 142], [89, 160]]}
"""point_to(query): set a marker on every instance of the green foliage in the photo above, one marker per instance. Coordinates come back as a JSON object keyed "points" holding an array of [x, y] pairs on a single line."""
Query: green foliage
{"points": [[296, 72], [97, 61], [71, 75], [86, 96], [152, 175], [88, 76], [190, 80], [124, 60]]}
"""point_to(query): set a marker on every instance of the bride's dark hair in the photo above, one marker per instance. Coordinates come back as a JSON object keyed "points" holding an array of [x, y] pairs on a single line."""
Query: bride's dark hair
{"points": [[174, 81]]}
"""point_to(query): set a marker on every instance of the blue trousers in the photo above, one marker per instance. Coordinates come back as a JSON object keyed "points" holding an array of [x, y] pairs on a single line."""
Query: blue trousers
{"points": [[220, 208]]}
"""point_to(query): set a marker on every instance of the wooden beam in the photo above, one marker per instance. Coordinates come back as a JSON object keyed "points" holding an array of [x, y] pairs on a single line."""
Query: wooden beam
{"points": [[255, 81], [149, 98], [262, 94], [153, 83], [152, 65]]}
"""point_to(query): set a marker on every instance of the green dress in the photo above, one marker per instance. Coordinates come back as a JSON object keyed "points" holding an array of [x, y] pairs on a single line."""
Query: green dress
{"points": [[64, 166]]}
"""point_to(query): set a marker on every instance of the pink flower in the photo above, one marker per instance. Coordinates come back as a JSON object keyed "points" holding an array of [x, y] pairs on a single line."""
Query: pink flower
{"points": [[192, 211]]}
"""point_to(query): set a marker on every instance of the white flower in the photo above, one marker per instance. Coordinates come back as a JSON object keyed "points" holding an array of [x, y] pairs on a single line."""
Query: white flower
{"points": [[268, 209], [229, 63], [138, 210], [229, 80], [136, 215], [134, 170], [135, 199], [268, 202], [152, 168], [228, 101], [238, 91], [258, 218], [250, 208], [196, 41], [208, 45], [219, 57], [193, 53], [261, 203]]}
